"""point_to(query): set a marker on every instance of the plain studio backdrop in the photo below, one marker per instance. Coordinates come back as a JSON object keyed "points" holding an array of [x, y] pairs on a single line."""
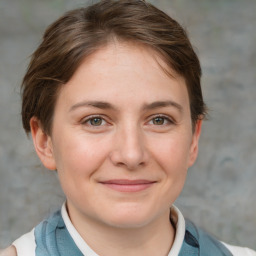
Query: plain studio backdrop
{"points": [[220, 192]]}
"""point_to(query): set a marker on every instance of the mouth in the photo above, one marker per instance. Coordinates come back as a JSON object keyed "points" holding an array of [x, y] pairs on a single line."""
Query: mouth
{"points": [[123, 185]]}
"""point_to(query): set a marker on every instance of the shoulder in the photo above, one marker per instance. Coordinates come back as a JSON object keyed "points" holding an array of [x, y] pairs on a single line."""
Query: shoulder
{"points": [[10, 251], [238, 251], [25, 245], [207, 243], [210, 245]]}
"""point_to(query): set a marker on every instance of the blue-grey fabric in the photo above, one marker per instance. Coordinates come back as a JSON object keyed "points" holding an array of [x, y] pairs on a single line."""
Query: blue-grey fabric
{"points": [[199, 243], [53, 239]]}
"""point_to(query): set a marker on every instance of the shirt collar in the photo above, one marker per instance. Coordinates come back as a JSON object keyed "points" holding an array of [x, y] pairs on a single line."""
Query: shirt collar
{"points": [[177, 219]]}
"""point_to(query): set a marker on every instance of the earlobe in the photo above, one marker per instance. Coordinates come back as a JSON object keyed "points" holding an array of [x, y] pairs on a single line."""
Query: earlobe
{"points": [[194, 143], [42, 144]]}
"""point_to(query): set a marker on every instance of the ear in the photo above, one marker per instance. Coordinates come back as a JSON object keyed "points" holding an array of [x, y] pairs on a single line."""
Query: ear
{"points": [[42, 144], [194, 143]]}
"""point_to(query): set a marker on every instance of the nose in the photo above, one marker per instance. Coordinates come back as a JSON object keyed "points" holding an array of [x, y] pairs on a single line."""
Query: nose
{"points": [[129, 149]]}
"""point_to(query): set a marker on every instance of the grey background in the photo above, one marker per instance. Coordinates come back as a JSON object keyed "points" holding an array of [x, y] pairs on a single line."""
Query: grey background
{"points": [[220, 191]]}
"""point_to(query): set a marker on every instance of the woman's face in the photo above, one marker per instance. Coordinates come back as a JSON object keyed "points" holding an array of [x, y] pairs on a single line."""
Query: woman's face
{"points": [[122, 138]]}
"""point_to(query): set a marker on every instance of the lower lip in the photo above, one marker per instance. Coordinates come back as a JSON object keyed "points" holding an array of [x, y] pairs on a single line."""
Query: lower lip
{"points": [[128, 187]]}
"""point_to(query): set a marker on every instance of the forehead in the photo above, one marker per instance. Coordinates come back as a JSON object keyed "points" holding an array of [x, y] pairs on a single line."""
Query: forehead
{"points": [[126, 55], [121, 70]]}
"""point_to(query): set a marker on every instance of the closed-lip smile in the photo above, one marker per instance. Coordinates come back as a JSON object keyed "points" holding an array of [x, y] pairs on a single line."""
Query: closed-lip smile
{"points": [[125, 185]]}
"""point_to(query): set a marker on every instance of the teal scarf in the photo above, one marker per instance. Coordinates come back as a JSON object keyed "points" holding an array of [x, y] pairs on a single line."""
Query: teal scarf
{"points": [[53, 239]]}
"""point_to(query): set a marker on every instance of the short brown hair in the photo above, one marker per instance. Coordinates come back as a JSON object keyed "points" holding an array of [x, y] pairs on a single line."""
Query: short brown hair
{"points": [[81, 32]]}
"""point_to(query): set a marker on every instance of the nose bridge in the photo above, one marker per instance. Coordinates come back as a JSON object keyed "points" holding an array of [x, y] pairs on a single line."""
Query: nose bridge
{"points": [[129, 149], [132, 138]]}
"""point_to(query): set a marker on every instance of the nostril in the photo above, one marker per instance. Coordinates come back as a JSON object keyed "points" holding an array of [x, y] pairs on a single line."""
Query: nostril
{"points": [[129, 160]]}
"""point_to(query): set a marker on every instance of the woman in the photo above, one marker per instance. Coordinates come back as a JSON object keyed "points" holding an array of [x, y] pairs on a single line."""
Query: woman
{"points": [[113, 100]]}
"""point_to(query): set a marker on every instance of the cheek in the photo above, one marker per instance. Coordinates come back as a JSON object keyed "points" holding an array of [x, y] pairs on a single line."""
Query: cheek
{"points": [[172, 153], [77, 160], [172, 157], [79, 155]]}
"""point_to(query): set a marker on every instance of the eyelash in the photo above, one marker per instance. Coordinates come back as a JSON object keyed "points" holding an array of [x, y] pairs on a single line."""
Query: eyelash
{"points": [[167, 120], [87, 121]]}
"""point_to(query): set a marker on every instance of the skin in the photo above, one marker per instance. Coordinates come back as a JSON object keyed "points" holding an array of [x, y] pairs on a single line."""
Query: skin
{"points": [[10, 251], [122, 143]]}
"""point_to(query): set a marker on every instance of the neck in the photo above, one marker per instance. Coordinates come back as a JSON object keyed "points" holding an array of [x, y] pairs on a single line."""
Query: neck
{"points": [[152, 239]]}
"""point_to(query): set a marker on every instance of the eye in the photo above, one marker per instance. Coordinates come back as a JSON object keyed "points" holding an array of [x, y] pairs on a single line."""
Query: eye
{"points": [[161, 120], [158, 120], [94, 121]]}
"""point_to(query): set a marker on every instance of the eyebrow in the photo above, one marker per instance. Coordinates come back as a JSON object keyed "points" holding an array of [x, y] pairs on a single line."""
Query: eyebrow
{"points": [[95, 104], [162, 104], [106, 105]]}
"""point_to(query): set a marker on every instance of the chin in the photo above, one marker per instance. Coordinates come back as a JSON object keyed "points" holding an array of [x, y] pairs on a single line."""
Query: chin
{"points": [[128, 223], [129, 219]]}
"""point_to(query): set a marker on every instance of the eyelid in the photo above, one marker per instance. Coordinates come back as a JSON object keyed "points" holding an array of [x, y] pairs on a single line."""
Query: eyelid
{"points": [[166, 117], [86, 119]]}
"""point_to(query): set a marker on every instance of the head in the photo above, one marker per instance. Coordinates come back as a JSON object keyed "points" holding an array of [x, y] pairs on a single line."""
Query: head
{"points": [[119, 165], [79, 33]]}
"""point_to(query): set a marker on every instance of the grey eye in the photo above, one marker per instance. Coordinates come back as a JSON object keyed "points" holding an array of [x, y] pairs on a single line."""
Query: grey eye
{"points": [[96, 121]]}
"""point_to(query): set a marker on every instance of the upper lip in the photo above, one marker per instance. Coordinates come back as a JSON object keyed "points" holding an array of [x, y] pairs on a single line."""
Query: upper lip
{"points": [[127, 182]]}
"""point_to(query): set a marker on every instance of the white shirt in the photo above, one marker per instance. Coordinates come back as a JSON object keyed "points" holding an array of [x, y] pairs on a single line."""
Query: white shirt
{"points": [[25, 245]]}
